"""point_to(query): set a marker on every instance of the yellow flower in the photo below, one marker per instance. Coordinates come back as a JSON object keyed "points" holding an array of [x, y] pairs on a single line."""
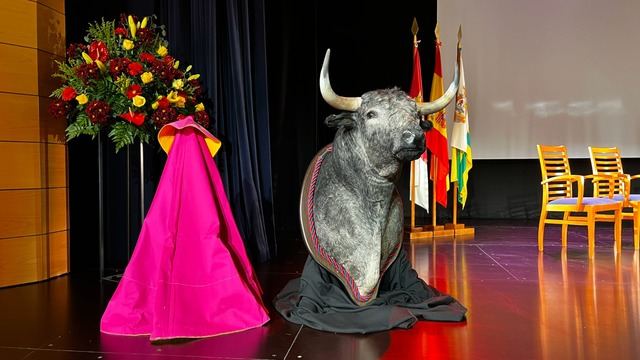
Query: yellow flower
{"points": [[139, 101], [178, 84], [193, 77], [176, 64], [155, 105], [178, 101], [162, 50], [101, 65], [144, 23], [87, 58], [146, 77], [82, 99], [132, 26], [127, 44], [200, 107]]}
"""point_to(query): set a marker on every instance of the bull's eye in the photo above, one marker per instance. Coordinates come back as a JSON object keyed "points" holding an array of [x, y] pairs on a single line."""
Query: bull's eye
{"points": [[371, 114]]}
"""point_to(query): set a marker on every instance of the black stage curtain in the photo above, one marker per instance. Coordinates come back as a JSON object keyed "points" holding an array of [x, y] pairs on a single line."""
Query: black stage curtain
{"points": [[371, 48], [226, 42]]}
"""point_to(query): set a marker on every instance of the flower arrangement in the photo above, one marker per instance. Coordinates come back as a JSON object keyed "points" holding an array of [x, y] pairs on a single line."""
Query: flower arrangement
{"points": [[124, 81]]}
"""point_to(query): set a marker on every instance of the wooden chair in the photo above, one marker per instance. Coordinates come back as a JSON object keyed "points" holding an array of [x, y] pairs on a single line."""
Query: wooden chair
{"points": [[607, 161], [557, 196]]}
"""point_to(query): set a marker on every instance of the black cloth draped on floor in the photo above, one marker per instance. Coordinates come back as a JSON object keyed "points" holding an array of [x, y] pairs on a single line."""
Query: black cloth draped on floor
{"points": [[317, 299]]}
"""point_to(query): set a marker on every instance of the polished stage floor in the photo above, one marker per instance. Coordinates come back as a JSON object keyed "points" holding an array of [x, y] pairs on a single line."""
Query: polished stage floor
{"points": [[522, 305]]}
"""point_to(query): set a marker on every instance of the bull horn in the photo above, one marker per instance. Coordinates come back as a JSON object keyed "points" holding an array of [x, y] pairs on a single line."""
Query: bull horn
{"points": [[333, 99], [442, 102]]}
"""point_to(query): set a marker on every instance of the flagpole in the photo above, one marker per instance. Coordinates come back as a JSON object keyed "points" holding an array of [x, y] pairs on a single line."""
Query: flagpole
{"points": [[415, 233], [434, 163], [438, 231], [455, 203], [460, 231], [413, 196]]}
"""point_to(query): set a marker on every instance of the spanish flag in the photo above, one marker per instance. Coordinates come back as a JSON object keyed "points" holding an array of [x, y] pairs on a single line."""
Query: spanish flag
{"points": [[461, 155], [437, 137], [420, 167]]}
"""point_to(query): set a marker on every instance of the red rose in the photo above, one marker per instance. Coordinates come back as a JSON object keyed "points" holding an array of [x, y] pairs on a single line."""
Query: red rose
{"points": [[133, 91], [136, 119], [135, 69], [148, 58], [120, 31], [163, 103], [69, 93], [98, 51]]}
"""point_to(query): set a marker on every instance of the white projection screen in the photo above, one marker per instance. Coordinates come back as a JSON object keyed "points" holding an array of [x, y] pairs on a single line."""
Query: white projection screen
{"points": [[554, 72]]}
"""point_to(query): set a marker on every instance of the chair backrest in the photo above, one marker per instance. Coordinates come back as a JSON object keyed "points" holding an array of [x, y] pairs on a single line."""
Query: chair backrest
{"points": [[606, 161], [554, 161]]}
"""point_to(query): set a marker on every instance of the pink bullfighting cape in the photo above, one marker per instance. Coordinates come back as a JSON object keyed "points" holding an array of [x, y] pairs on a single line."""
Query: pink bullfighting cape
{"points": [[189, 275]]}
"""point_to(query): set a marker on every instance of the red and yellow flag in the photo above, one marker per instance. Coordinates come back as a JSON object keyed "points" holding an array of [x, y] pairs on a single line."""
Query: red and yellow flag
{"points": [[420, 168], [437, 137]]}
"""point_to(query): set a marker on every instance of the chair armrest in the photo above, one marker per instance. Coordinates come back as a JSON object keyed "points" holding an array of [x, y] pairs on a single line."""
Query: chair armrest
{"points": [[567, 177], [609, 178], [573, 178]]}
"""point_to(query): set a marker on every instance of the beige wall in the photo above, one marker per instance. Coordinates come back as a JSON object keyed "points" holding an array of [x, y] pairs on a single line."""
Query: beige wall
{"points": [[33, 155]]}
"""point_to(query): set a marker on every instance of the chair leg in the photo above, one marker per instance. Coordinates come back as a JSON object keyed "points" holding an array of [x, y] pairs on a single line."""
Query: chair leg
{"points": [[565, 228], [636, 228], [543, 217], [591, 233], [617, 229]]}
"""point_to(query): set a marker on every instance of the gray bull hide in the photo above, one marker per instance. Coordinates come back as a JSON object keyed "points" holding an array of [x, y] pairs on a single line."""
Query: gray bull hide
{"points": [[351, 212]]}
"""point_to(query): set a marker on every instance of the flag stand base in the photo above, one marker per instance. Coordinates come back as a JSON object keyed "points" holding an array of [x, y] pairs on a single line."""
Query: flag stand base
{"points": [[429, 232], [460, 231]]}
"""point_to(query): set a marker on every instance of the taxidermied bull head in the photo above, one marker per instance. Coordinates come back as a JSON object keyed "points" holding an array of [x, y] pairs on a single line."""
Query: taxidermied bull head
{"points": [[350, 211]]}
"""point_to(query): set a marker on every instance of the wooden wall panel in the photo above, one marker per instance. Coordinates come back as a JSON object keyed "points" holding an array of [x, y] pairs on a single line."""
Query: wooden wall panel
{"points": [[27, 262], [32, 165], [46, 68], [51, 31], [18, 25], [21, 213], [33, 176], [18, 70], [57, 209], [21, 168], [19, 118], [58, 253], [56, 165], [57, 5], [32, 212]]}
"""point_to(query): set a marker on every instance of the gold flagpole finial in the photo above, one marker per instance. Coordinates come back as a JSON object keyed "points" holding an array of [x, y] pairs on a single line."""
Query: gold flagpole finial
{"points": [[437, 31], [414, 31], [460, 37]]}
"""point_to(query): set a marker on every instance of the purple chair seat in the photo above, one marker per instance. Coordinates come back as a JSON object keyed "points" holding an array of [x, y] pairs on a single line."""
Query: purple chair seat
{"points": [[585, 201], [632, 197]]}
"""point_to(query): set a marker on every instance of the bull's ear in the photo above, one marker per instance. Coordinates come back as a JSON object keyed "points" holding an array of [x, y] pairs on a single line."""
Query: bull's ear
{"points": [[347, 120]]}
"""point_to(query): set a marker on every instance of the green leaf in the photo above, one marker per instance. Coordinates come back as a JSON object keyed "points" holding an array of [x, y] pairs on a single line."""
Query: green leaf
{"points": [[122, 134], [82, 126], [57, 93]]}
